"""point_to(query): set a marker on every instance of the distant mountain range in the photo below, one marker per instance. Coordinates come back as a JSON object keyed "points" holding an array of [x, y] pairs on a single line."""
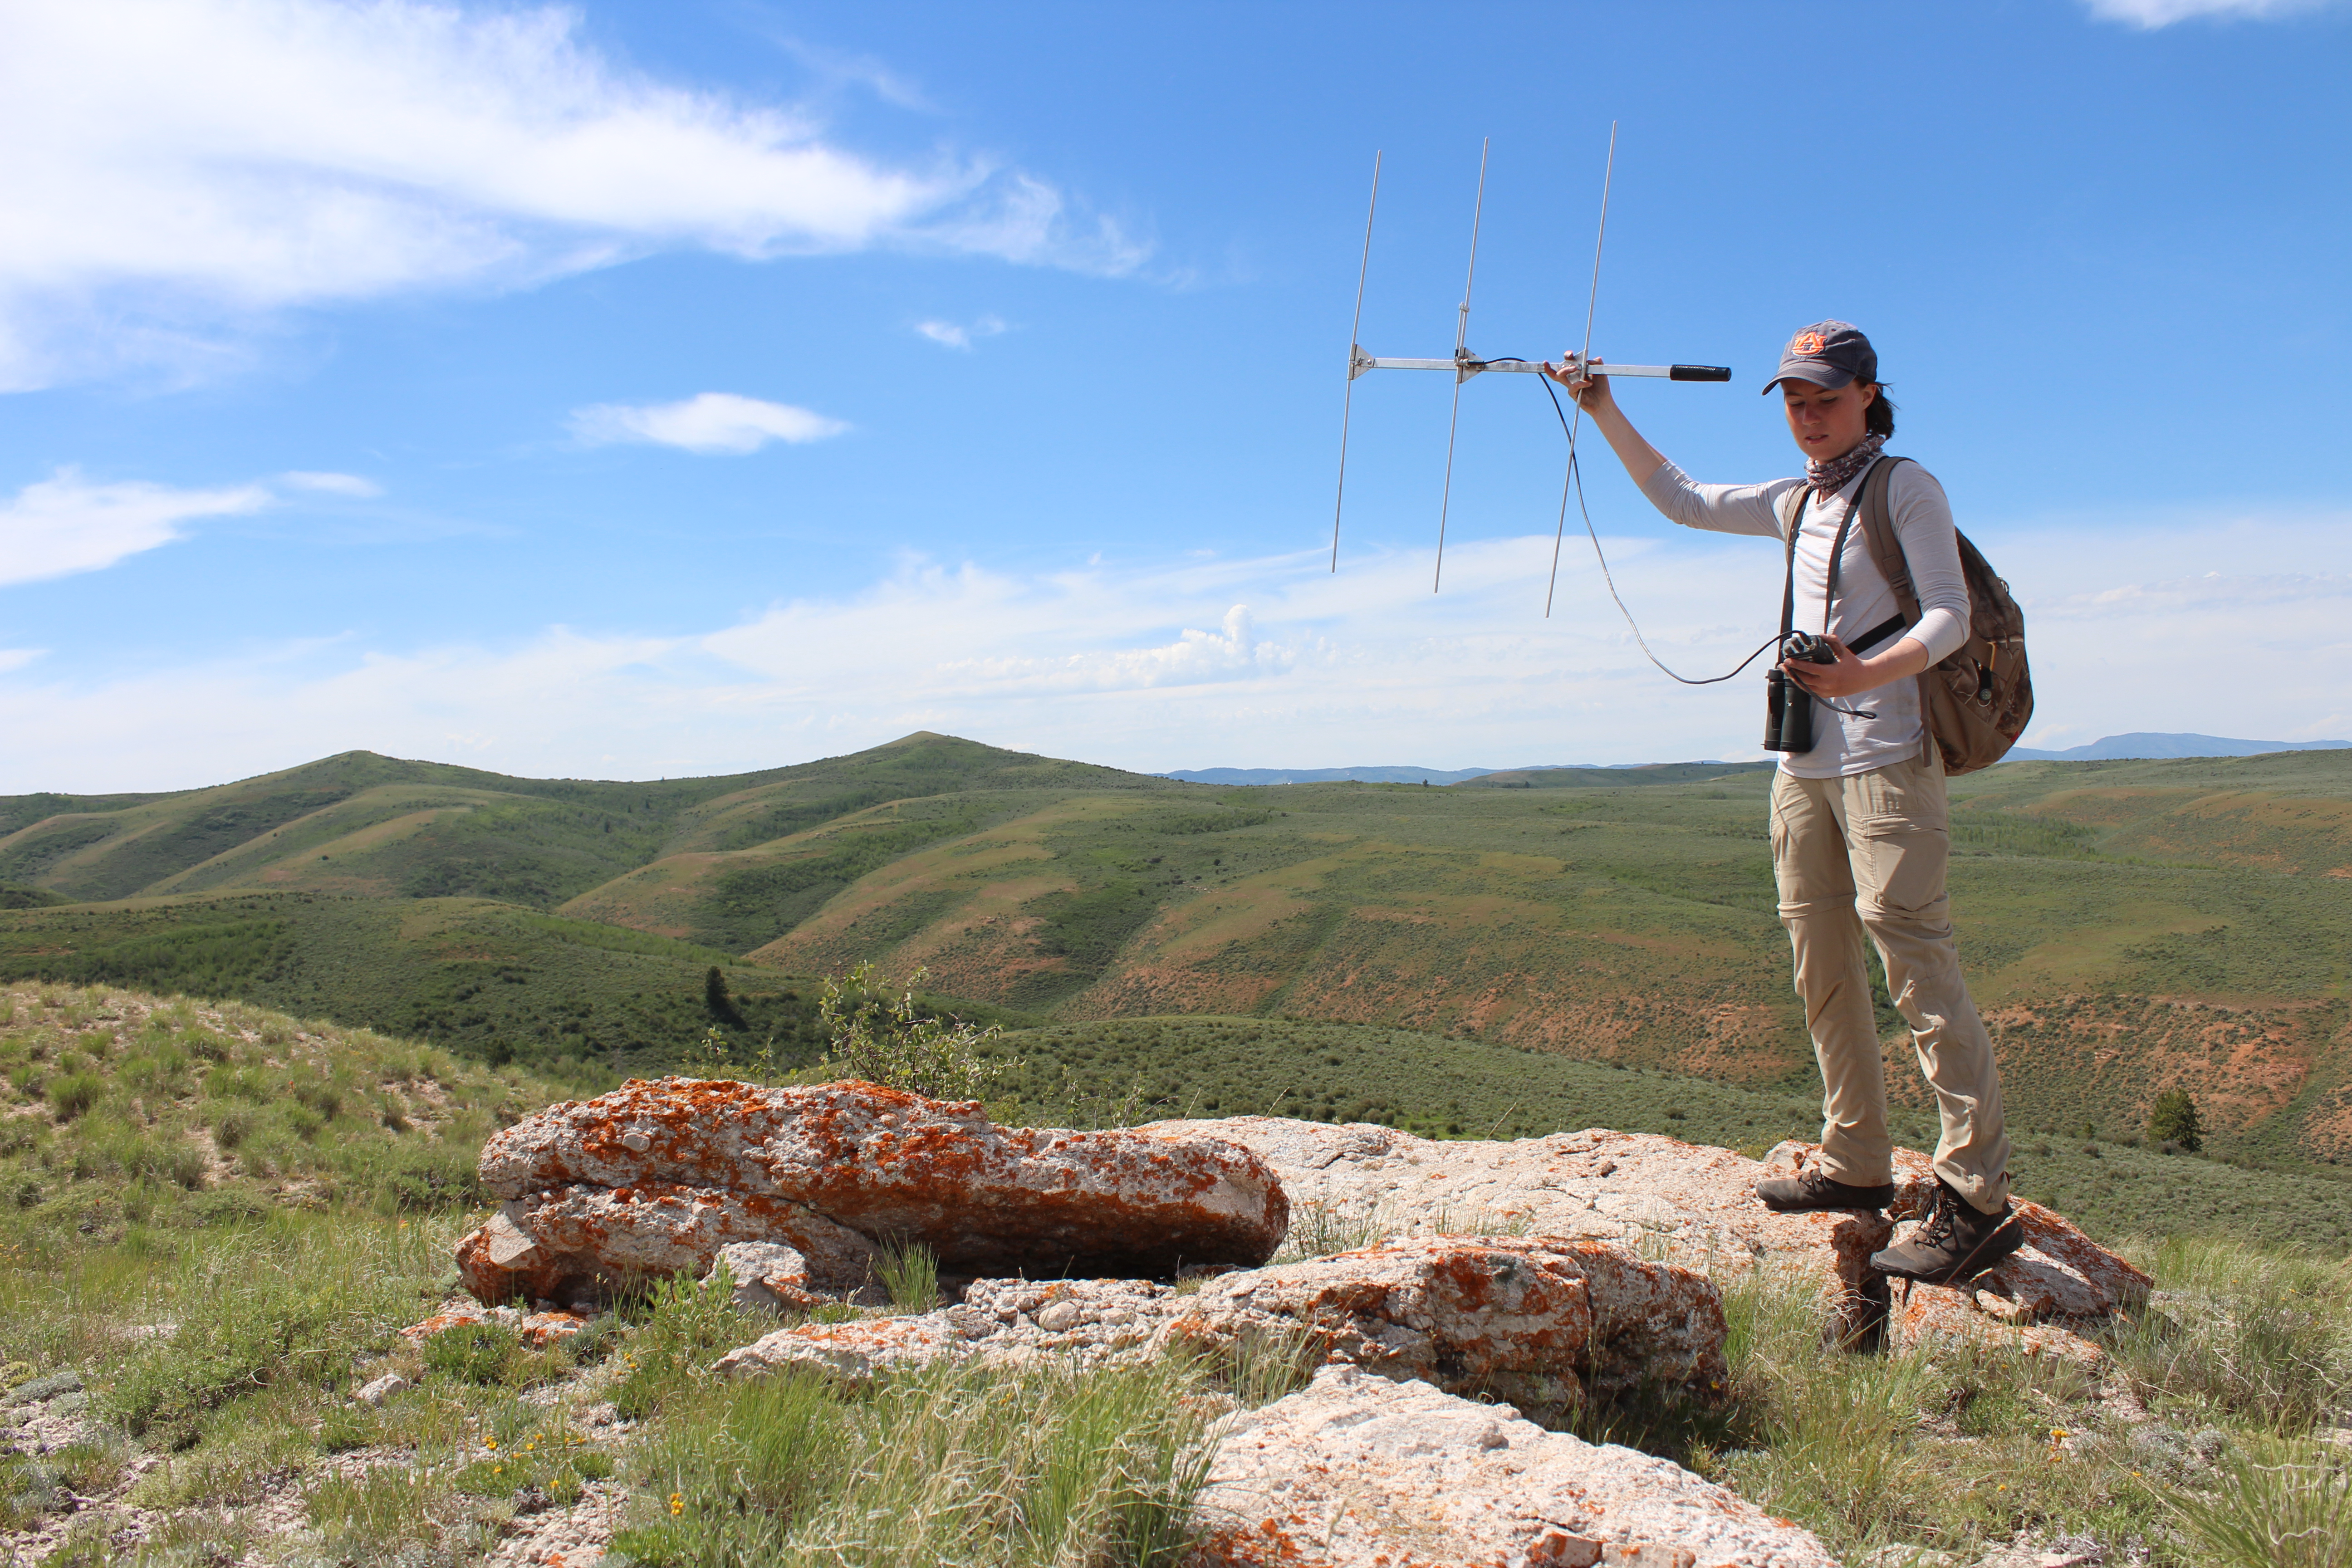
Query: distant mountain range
{"points": [[1327, 775], [1375, 776], [2111, 748], [2141, 744]]}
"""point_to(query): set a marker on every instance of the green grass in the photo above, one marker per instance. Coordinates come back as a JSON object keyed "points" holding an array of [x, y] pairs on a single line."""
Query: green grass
{"points": [[144, 1120], [954, 1464], [1962, 1449]]}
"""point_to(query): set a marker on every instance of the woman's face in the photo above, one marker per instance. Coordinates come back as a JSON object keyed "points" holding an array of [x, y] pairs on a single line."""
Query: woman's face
{"points": [[1828, 424]]}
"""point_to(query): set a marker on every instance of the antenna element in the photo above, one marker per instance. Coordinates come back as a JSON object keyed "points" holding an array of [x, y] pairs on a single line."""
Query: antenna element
{"points": [[1354, 352], [1607, 176], [1463, 360]]}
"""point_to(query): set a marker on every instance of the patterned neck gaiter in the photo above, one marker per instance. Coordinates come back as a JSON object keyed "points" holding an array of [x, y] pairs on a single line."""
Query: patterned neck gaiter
{"points": [[1829, 475]]}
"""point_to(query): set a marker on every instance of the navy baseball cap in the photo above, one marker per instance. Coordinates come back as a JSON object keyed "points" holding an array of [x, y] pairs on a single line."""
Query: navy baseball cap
{"points": [[1827, 353]]}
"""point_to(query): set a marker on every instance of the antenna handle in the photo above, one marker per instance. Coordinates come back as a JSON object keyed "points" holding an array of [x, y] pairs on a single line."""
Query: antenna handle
{"points": [[1699, 372]]}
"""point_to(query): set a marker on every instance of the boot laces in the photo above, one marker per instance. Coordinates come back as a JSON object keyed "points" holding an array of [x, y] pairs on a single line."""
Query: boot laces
{"points": [[1940, 1219]]}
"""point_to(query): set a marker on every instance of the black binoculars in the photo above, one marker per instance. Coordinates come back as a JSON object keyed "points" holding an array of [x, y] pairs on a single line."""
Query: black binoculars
{"points": [[1789, 707]]}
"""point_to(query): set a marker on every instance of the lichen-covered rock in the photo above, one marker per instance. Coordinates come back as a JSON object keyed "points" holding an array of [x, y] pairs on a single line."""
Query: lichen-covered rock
{"points": [[537, 1330], [1922, 1317], [2032, 1301], [2058, 1273], [1533, 1318], [1695, 1204], [1539, 1320], [852, 1353], [874, 1163], [1354, 1471], [767, 1277], [577, 1241]]}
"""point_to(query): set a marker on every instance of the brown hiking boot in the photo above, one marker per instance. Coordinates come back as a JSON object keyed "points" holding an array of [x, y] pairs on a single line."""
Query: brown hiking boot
{"points": [[1812, 1190], [1958, 1241]]}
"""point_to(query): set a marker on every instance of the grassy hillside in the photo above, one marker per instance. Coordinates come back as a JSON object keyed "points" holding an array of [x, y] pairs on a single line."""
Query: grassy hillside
{"points": [[493, 982], [2129, 927], [380, 826], [124, 1112]]}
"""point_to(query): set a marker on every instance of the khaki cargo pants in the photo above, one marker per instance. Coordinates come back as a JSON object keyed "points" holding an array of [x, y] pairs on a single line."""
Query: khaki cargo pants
{"points": [[1867, 853]]}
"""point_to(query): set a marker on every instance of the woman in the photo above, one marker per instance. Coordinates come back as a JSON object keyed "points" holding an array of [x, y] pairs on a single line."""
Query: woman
{"points": [[1859, 839]]}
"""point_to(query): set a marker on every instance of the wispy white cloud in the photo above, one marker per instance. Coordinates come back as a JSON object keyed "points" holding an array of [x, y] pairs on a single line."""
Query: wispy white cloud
{"points": [[1268, 661], [331, 484], [839, 66], [180, 167], [18, 657], [712, 422], [2154, 14], [959, 335], [63, 524]]}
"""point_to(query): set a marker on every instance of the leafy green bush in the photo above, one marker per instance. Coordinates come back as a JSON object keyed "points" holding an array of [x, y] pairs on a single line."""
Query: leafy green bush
{"points": [[879, 1035]]}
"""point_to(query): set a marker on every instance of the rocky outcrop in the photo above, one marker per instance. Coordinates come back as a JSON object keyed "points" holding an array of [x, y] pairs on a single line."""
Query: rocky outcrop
{"points": [[1354, 1471], [577, 1240], [656, 1177], [1690, 1205], [1538, 1320]]}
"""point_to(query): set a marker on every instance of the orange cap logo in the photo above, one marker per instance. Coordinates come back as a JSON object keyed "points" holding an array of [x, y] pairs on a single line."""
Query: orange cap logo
{"points": [[1806, 343]]}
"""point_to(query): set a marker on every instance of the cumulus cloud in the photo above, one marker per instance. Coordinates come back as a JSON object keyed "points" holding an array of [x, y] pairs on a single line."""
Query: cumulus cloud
{"points": [[63, 524], [182, 164], [331, 484], [2154, 14], [1263, 661], [956, 335], [710, 423]]}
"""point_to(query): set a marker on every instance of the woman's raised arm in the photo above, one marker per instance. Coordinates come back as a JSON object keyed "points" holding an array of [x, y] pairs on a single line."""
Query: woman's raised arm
{"points": [[1593, 395]]}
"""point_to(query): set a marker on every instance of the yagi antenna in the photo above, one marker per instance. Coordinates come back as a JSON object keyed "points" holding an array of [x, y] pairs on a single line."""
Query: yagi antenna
{"points": [[1466, 364]]}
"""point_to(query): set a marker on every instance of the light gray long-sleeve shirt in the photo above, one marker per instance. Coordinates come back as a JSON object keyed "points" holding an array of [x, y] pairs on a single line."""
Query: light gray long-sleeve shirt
{"points": [[1844, 744]]}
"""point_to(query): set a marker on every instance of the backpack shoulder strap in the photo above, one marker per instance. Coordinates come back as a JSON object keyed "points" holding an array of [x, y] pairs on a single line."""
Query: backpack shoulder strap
{"points": [[1793, 518], [1878, 528]]}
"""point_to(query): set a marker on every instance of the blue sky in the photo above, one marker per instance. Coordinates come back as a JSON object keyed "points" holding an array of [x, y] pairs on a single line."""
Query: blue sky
{"points": [[629, 390]]}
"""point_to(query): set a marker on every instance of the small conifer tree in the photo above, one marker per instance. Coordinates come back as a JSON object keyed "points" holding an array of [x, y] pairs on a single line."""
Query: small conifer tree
{"points": [[715, 999], [2174, 1120]]}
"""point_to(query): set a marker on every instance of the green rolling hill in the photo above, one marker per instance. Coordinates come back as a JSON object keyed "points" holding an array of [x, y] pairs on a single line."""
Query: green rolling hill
{"points": [[2129, 926]]}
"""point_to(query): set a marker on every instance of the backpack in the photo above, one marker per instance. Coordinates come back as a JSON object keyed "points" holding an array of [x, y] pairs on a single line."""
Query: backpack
{"points": [[1975, 704]]}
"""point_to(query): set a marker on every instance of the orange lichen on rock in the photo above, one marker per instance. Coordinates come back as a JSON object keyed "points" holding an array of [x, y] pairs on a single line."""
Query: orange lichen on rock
{"points": [[656, 1176], [538, 1329], [1536, 1319]]}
